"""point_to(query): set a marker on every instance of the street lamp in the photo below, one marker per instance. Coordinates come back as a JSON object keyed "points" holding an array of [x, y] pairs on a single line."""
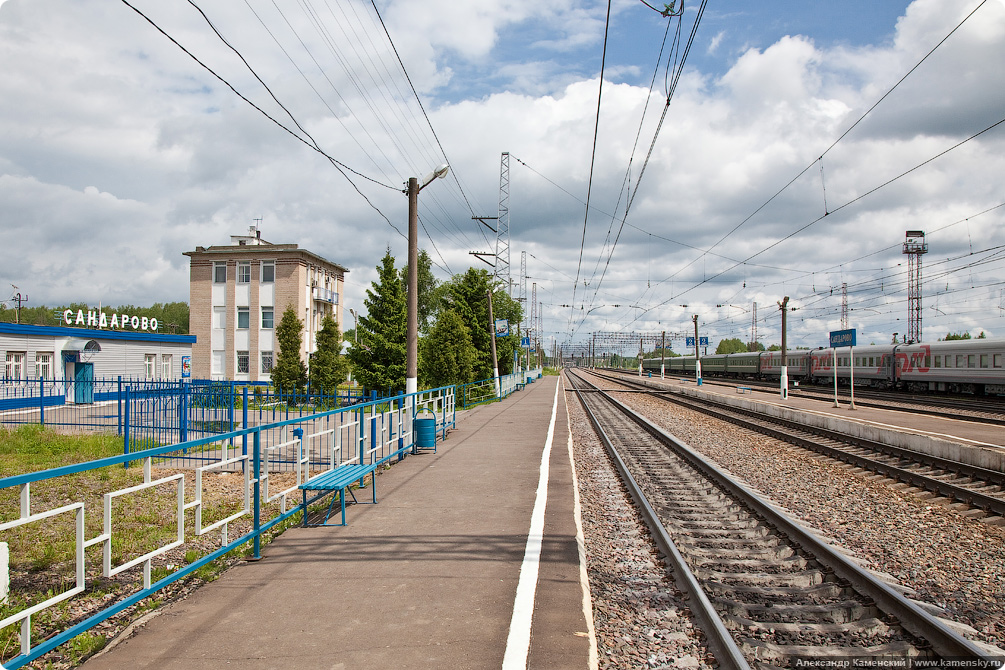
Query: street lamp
{"points": [[412, 334], [355, 326]]}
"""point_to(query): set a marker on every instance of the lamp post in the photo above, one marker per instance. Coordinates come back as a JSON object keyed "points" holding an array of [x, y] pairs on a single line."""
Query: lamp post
{"points": [[355, 325], [412, 334]]}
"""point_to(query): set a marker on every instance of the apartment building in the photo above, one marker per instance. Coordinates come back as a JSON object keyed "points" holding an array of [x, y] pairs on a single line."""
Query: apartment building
{"points": [[238, 293]]}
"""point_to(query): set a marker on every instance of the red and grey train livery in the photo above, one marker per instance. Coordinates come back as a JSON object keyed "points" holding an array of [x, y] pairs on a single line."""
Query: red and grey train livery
{"points": [[975, 367]]}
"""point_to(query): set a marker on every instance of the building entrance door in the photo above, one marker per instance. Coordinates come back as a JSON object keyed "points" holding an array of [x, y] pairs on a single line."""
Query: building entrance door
{"points": [[83, 386]]}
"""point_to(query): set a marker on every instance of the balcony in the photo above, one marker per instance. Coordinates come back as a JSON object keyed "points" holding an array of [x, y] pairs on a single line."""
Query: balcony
{"points": [[325, 295]]}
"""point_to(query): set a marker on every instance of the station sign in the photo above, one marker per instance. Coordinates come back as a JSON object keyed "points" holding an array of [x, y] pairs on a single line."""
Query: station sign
{"points": [[843, 338], [702, 341], [98, 319]]}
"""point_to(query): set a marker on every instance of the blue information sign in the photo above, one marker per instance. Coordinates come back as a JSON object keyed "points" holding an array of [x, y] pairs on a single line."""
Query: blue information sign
{"points": [[703, 341], [843, 338], [689, 341], [525, 342]]}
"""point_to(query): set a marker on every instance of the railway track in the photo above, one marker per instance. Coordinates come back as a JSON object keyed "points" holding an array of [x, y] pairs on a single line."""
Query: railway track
{"points": [[978, 488], [766, 591]]}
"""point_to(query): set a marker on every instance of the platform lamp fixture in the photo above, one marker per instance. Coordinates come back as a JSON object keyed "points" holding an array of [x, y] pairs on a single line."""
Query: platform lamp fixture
{"points": [[412, 344]]}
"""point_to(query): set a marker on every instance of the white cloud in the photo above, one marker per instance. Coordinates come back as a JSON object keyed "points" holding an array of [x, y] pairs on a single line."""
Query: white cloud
{"points": [[119, 153]]}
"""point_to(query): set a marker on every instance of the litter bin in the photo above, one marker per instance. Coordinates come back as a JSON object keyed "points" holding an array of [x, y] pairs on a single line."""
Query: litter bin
{"points": [[425, 431]]}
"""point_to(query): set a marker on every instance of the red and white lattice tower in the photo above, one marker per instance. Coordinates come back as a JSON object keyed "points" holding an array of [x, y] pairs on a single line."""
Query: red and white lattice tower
{"points": [[914, 247]]}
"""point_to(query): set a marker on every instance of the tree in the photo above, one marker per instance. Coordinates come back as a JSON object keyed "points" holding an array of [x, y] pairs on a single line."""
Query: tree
{"points": [[957, 336], [467, 294], [731, 345], [755, 346], [378, 357], [447, 355], [428, 295], [289, 375], [329, 367]]}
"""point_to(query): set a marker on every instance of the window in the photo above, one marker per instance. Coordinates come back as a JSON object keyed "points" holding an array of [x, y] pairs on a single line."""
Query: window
{"points": [[266, 362], [219, 273], [244, 272], [217, 363], [149, 363], [928, 361], [267, 317], [984, 360], [972, 360], [938, 361], [243, 359], [997, 360], [268, 272], [961, 360], [14, 369], [949, 360], [220, 317], [166, 366], [243, 317], [43, 365]]}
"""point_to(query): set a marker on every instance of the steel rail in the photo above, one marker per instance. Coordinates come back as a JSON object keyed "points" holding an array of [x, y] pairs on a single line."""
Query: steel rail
{"points": [[992, 504], [719, 639], [945, 642]]}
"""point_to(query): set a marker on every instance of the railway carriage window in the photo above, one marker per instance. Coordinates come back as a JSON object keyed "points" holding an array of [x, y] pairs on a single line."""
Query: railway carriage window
{"points": [[997, 360], [928, 361], [871, 363], [961, 360], [938, 361], [949, 361], [984, 360], [972, 361]]}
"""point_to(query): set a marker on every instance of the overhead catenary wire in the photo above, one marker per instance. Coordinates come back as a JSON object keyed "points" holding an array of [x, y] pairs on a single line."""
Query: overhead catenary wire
{"points": [[341, 167]]}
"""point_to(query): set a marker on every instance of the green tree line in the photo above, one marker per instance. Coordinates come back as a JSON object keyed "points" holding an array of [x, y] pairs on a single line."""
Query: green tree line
{"points": [[172, 317]]}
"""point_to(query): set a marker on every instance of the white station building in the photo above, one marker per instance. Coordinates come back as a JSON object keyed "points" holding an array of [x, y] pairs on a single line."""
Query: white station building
{"points": [[62, 353]]}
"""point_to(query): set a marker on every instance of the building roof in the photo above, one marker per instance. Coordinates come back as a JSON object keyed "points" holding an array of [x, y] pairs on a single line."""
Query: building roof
{"points": [[262, 249], [93, 334]]}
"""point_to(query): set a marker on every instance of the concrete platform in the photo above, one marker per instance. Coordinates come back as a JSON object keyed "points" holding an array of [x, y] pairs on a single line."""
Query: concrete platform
{"points": [[970, 442], [427, 578]]}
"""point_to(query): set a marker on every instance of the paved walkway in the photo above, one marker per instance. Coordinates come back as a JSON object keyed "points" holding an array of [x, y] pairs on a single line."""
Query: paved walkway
{"points": [[427, 578]]}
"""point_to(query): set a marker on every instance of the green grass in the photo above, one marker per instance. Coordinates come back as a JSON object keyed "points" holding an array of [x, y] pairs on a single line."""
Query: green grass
{"points": [[42, 552], [33, 448]]}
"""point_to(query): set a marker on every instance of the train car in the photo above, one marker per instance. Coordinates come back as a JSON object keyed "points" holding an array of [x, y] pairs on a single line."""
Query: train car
{"points": [[714, 365], [797, 364], [744, 365], [873, 365], [975, 367]]}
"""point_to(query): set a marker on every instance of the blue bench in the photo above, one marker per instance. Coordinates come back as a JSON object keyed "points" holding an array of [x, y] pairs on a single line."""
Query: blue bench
{"points": [[743, 389], [338, 481]]}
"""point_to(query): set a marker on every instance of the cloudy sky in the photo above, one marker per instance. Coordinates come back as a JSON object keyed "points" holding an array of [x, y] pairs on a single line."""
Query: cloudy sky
{"points": [[788, 161]]}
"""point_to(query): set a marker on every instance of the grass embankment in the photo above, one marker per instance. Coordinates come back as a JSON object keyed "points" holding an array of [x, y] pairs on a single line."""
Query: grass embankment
{"points": [[42, 553]]}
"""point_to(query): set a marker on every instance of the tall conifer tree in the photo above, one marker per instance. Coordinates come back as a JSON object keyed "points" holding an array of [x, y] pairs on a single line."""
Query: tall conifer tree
{"points": [[378, 358]]}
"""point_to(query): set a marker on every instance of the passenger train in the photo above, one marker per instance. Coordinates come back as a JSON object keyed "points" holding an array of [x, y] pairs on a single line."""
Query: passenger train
{"points": [[975, 367]]}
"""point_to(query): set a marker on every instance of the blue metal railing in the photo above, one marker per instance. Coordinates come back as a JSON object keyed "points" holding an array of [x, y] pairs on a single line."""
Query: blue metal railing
{"points": [[376, 431]]}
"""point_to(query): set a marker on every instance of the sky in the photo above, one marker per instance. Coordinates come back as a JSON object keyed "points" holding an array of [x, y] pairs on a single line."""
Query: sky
{"points": [[734, 155]]}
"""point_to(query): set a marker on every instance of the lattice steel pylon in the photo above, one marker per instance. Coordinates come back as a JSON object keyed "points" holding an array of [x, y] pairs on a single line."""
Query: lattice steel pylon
{"points": [[844, 305], [753, 326], [522, 297], [533, 314], [914, 247], [502, 272]]}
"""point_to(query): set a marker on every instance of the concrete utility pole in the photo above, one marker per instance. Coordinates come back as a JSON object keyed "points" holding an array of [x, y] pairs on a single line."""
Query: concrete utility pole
{"points": [[412, 327], [663, 355], [784, 306], [492, 334], [697, 354]]}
